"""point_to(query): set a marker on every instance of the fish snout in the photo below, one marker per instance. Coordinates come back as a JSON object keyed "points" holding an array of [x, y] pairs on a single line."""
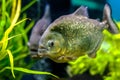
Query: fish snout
{"points": [[42, 50], [38, 53], [33, 52], [33, 49], [41, 47]]}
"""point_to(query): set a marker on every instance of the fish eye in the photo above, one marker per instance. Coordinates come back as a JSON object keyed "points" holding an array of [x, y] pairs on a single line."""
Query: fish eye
{"points": [[50, 43]]}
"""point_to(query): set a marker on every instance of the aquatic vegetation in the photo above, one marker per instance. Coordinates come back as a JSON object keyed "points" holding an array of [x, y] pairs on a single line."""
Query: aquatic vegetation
{"points": [[107, 59], [13, 40]]}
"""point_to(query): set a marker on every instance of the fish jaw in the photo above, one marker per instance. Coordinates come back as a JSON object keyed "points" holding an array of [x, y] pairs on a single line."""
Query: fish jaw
{"points": [[42, 52], [57, 57]]}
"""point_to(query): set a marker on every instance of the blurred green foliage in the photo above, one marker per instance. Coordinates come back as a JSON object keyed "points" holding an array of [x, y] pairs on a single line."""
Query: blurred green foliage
{"points": [[13, 40], [107, 61]]}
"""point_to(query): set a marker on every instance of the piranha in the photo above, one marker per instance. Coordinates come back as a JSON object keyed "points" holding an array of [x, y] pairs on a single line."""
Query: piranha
{"points": [[74, 35], [38, 30]]}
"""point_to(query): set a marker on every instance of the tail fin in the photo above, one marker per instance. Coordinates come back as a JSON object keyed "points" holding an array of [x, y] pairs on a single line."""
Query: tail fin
{"points": [[112, 27]]}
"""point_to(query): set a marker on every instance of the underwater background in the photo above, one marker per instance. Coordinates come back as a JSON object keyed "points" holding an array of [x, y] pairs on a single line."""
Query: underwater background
{"points": [[17, 18]]}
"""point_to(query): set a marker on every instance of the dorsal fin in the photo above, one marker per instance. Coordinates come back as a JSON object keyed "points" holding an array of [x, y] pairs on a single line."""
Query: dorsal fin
{"points": [[47, 11], [81, 11]]}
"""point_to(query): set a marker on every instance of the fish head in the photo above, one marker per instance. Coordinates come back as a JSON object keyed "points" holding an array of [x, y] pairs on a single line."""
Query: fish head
{"points": [[52, 45]]}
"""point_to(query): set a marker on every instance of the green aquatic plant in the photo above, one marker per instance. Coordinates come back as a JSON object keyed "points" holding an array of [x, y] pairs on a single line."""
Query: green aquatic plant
{"points": [[13, 40], [106, 62]]}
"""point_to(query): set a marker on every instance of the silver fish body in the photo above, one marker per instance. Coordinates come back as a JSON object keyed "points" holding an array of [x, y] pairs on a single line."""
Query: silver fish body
{"points": [[38, 30]]}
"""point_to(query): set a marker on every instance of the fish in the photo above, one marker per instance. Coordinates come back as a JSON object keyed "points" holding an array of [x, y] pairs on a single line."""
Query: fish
{"points": [[37, 31], [74, 35]]}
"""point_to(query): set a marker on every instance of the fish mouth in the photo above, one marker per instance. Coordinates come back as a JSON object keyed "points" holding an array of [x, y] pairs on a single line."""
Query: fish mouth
{"points": [[38, 53], [33, 52], [42, 52]]}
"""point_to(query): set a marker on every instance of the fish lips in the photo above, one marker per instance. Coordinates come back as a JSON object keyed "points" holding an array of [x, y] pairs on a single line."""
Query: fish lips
{"points": [[42, 52], [33, 53], [38, 54]]}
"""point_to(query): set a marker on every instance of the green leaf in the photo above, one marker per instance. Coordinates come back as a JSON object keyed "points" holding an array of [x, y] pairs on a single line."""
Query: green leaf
{"points": [[29, 26], [8, 31], [30, 71], [11, 62], [28, 6], [10, 38]]}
